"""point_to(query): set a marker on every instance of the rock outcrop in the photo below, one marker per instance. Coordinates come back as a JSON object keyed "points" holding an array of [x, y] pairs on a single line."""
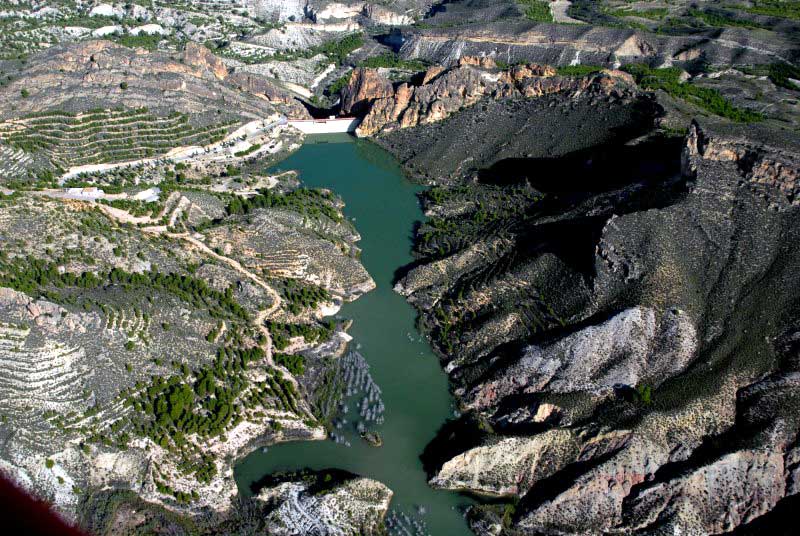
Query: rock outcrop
{"points": [[642, 380], [630, 348], [364, 87], [564, 44], [92, 74], [199, 56], [356, 506], [446, 91]]}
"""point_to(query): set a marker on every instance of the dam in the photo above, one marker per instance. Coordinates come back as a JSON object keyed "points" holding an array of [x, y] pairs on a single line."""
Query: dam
{"points": [[331, 125]]}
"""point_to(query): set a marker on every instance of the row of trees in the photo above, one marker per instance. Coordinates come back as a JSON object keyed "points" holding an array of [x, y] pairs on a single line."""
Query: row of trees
{"points": [[32, 275], [309, 202]]}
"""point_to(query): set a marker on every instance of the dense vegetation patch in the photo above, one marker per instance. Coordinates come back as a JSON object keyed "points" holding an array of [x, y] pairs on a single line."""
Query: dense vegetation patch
{"points": [[657, 13], [134, 206], [711, 100], [579, 70], [782, 74], [282, 333], [244, 152], [338, 85], [35, 277], [300, 296], [205, 403], [294, 363], [199, 403], [721, 18], [103, 136], [309, 202], [336, 51], [491, 211], [788, 9], [538, 10], [391, 60]]}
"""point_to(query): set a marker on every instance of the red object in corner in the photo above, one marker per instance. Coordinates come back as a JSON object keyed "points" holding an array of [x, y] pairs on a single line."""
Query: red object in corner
{"points": [[25, 515]]}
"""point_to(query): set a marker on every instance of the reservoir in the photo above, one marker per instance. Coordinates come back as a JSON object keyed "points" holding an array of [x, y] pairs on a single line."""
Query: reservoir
{"points": [[383, 206]]}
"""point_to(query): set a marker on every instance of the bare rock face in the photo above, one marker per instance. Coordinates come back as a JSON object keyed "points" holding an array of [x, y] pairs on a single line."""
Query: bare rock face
{"points": [[510, 466], [637, 345], [199, 56], [354, 507], [394, 13], [772, 171], [484, 62], [432, 72], [365, 86], [91, 74], [263, 88], [446, 91], [563, 44], [657, 392], [718, 497], [381, 15], [280, 10]]}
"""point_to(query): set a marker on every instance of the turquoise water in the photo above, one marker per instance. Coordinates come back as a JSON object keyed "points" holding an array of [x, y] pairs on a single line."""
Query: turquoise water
{"points": [[384, 207]]}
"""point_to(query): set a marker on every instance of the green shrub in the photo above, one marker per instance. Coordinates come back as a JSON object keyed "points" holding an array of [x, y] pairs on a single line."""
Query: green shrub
{"points": [[300, 296], [338, 85], [309, 202], [652, 14], [787, 9], [282, 333], [668, 80], [537, 10], [294, 363], [390, 60], [643, 394], [579, 70], [337, 51], [719, 18], [780, 74], [149, 42], [253, 148]]}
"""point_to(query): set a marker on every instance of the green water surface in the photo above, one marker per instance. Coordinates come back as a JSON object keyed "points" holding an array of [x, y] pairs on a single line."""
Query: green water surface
{"points": [[383, 206]]}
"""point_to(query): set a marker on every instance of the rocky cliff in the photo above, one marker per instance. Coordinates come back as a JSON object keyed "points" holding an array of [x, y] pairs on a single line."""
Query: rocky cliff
{"points": [[569, 44], [443, 92], [100, 74], [318, 504], [624, 336]]}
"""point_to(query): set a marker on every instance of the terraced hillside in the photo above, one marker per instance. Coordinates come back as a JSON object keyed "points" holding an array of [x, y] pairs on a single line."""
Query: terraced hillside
{"points": [[65, 140], [96, 106], [141, 357], [145, 272]]}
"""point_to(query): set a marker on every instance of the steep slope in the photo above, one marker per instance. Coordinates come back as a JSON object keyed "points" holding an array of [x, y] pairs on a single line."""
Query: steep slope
{"points": [[569, 44], [163, 298], [600, 301], [610, 329]]}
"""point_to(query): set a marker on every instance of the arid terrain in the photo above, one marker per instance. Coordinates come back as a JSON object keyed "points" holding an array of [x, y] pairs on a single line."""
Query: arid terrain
{"points": [[607, 269]]}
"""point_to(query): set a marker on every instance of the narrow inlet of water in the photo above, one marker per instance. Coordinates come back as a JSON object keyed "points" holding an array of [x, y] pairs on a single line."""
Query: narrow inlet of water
{"points": [[383, 205]]}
